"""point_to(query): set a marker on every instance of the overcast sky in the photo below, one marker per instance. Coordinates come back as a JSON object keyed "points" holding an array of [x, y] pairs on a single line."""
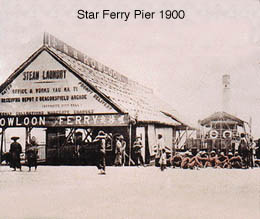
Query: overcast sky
{"points": [[182, 60]]}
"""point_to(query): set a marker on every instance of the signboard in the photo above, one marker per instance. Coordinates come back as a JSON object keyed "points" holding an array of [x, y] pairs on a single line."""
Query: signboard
{"points": [[65, 121], [46, 87]]}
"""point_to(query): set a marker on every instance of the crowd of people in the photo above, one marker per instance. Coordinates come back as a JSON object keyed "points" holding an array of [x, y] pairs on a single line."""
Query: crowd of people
{"points": [[204, 159], [246, 156]]}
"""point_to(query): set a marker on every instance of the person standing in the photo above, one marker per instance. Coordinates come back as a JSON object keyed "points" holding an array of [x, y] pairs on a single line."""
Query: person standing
{"points": [[101, 153], [244, 151], [163, 160], [118, 152], [160, 146], [137, 151], [252, 153], [257, 151], [15, 151], [123, 146], [31, 155]]}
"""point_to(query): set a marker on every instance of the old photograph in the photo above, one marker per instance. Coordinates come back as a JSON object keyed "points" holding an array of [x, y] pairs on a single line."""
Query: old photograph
{"points": [[129, 109]]}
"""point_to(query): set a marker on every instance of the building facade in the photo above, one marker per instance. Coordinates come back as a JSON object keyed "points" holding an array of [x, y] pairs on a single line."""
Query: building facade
{"points": [[73, 97]]}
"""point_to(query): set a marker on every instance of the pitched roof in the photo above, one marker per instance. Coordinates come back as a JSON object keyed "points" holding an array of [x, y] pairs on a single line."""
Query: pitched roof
{"points": [[221, 116], [132, 98], [126, 95]]}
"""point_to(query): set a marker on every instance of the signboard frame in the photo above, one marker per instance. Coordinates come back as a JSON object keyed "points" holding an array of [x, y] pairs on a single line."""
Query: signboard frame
{"points": [[79, 120]]}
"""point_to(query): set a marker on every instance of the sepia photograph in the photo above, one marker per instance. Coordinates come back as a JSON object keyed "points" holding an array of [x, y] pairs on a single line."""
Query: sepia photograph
{"points": [[129, 109]]}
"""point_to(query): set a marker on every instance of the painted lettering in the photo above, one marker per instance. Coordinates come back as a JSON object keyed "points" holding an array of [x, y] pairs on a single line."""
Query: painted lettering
{"points": [[86, 120], [54, 74], [60, 119], [2, 122], [31, 75], [78, 120], [10, 121], [17, 122]]}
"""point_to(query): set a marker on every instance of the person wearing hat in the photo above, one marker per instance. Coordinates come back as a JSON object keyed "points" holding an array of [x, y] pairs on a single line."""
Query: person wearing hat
{"points": [[15, 151], [211, 159], [227, 164], [236, 161], [203, 158], [101, 153], [221, 160], [137, 148]]}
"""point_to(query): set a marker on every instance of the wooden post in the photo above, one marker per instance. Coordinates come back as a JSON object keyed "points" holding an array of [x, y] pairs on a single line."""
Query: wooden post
{"points": [[1, 146], [173, 142], [130, 144], [186, 132], [26, 137]]}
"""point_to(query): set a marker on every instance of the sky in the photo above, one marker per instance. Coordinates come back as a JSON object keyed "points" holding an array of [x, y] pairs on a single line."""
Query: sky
{"points": [[182, 60]]}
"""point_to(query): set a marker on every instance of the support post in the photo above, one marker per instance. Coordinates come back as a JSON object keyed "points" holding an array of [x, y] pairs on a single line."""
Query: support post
{"points": [[130, 145], [1, 146]]}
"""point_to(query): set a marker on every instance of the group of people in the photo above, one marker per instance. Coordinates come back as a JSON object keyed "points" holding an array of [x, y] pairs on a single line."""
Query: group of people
{"points": [[102, 139], [244, 157], [13, 157], [186, 160], [204, 159], [160, 149]]}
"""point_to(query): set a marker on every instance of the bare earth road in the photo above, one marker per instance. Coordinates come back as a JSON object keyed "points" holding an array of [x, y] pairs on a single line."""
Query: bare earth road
{"points": [[130, 192]]}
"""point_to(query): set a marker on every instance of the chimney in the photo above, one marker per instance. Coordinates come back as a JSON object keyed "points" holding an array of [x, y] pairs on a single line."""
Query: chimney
{"points": [[226, 93]]}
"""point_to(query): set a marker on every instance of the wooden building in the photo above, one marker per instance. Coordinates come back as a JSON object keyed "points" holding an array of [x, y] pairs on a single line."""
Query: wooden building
{"points": [[220, 131], [72, 96]]}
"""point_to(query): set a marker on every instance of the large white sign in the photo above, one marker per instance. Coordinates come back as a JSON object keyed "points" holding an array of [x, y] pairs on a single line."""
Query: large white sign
{"points": [[46, 87]]}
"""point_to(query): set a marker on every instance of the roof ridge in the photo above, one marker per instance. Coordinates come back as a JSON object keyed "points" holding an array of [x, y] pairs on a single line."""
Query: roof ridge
{"points": [[53, 42]]}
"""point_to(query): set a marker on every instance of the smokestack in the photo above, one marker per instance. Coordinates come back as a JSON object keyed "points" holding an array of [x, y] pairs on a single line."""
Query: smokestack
{"points": [[226, 93]]}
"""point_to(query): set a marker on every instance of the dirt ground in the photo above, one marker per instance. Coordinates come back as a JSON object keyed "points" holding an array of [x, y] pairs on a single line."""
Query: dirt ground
{"points": [[129, 192]]}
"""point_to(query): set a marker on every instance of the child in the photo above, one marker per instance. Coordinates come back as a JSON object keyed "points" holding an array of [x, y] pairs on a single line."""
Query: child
{"points": [[163, 160]]}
